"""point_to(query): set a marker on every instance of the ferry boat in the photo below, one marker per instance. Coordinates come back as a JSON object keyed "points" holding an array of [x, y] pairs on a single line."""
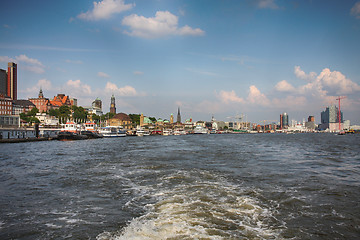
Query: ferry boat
{"points": [[110, 131], [200, 130]]}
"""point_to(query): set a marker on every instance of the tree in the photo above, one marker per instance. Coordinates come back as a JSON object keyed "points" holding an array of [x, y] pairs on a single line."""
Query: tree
{"points": [[33, 112], [135, 118]]}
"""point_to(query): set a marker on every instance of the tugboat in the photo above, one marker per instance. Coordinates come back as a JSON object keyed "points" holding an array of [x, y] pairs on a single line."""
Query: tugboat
{"points": [[70, 132], [90, 134]]}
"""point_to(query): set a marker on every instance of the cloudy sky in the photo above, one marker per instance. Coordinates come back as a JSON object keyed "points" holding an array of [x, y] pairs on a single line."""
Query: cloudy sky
{"points": [[258, 58]]}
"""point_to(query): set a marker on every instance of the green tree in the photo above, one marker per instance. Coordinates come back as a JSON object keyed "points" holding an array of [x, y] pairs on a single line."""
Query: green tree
{"points": [[135, 118], [54, 112], [33, 112]]}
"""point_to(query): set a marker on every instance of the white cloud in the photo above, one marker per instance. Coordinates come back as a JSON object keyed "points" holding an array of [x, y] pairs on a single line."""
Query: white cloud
{"points": [[355, 10], [302, 75], [138, 73], [31, 64], [284, 86], [34, 69], [6, 59], [163, 24], [124, 91], [335, 82], [267, 4], [229, 97], [256, 97], [103, 75], [105, 9], [290, 101], [44, 84], [26, 59], [77, 88]]}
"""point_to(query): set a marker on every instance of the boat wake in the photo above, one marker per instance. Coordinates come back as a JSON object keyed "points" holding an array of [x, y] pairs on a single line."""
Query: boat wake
{"points": [[199, 205]]}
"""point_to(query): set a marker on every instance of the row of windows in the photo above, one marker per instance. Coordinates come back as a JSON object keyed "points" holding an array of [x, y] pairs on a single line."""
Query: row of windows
{"points": [[5, 112], [5, 107], [5, 103]]}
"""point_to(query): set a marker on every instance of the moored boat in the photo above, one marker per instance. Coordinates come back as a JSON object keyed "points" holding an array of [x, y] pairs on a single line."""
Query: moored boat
{"points": [[68, 136], [110, 131]]}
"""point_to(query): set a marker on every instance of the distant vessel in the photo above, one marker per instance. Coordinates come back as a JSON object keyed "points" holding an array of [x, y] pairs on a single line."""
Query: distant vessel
{"points": [[167, 132], [200, 130]]}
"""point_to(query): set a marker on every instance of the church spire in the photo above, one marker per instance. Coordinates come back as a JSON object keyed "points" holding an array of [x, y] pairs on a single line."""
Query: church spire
{"points": [[41, 95], [178, 116]]}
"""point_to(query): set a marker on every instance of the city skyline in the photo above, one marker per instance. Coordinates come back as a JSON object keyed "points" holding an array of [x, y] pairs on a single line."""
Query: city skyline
{"points": [[222, 58]]}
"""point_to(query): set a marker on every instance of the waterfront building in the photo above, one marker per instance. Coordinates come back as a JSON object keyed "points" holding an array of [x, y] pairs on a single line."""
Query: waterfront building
{"points": [[21, 106], [47, 120], [218, 125], [60, 100], [12, 80], [9, 121], [5, 105], [97, 104], [112, 105], [178, 119], [141, 119], [120, 119], [96, 107], [3, 82], [284, 120], [73, 101], [331, 115], [171, 118], [330, 119], [41, 103]]}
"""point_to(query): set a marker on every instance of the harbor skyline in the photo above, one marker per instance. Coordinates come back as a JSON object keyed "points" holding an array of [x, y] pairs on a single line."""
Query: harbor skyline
{"points": [[260, 58]]}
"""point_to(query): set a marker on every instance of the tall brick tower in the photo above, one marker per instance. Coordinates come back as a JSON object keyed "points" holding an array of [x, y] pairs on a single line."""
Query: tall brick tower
{"points": [[12, 81], [112, 105]]}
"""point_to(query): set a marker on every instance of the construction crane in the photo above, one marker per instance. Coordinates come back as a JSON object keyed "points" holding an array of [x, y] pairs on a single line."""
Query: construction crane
{"points": [[339, 113], [264, 121]]}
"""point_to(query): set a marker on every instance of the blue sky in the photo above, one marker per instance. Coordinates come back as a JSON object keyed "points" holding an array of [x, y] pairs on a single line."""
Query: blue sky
{"points": [[221, 58]]}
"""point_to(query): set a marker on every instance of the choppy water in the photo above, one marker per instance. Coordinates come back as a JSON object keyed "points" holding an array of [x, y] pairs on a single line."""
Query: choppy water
{"points": [[264, 186]]}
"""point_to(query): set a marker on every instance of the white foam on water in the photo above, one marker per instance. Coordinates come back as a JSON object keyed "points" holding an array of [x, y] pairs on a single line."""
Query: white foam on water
{"points": [[196, 205]]}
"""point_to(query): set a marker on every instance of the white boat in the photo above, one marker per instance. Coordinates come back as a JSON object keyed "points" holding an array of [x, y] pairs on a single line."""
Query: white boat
{"points": [[200, 130], [112, 132], [178, 132], [167, 132], [141, 132]]}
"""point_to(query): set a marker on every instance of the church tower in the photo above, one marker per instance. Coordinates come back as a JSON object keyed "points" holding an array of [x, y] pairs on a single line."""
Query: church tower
{"points": [[178, 120], [112, 105], [171, 119], [41, 95]]}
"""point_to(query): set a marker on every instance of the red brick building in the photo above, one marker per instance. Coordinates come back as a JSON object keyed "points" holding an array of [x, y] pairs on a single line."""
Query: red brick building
{"points": [[41, 103], [5, 105]]}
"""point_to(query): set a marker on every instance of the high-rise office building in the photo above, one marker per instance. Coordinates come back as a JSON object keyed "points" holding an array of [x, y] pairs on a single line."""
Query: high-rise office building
{"points": [[12, 80], [3, 82], [112, 105], [284, 120], [331, 115]]}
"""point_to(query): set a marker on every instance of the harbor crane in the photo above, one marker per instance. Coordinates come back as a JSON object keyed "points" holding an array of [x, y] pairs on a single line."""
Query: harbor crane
{"points": [[265, 121], [339, 113]]}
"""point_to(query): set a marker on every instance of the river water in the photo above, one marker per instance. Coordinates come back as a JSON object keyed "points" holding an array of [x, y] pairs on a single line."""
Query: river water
{"points": [[240, 186]]}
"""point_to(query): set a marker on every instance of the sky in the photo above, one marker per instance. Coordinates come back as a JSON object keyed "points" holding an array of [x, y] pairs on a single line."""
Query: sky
{"points": [[222, 58]]}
